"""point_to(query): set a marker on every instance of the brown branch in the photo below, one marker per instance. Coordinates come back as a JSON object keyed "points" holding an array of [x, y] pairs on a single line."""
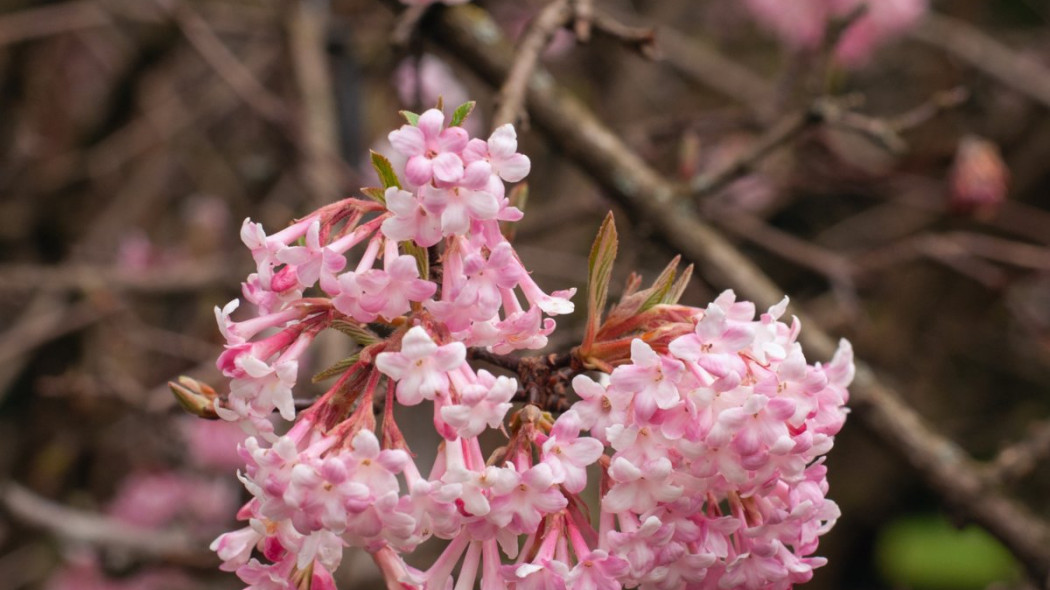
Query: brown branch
{"points": [[512, 94], [85, 527], [965, 42], [571, 125]]}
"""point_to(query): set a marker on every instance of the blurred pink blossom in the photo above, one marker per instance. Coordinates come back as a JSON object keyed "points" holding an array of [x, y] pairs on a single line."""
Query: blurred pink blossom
{"points": [[801, 24]]}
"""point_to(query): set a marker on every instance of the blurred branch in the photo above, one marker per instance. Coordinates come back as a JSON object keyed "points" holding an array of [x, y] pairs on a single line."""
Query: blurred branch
{"points": [[51, 20], [182, 277], [86, 527], [40, 329], [317, 112], [566, 121], [641, 39], [710, 68], [512, 94], [967, 43], [230, 69]]}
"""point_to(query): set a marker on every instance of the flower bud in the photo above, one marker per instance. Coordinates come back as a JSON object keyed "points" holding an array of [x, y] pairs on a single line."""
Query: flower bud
{"points": [[195, 397]]}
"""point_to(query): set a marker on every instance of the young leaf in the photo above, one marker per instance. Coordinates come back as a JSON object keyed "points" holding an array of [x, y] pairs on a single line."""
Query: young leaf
{"points": [[358, 333], [661, 286], [461, 113], [412, 118], [375, 193], [336, 369], [421, 255], [675, 293], [599, 269], [385, 170]]}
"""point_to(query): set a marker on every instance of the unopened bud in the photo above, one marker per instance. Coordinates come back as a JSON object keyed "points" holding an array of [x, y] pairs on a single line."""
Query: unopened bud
{"points": [[978, 181], [195, 397]]}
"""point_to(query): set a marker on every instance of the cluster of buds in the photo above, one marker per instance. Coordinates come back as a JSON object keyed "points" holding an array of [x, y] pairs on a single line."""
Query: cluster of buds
{"points": [[707, 426]]}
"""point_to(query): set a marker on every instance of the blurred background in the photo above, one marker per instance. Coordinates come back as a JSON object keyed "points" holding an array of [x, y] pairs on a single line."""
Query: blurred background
{"points": [[136, 135]]}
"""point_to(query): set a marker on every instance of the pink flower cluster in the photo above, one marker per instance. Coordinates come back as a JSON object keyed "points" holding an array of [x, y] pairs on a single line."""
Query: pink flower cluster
{"points": [[801, 24], [716, 479], [709, 445]]}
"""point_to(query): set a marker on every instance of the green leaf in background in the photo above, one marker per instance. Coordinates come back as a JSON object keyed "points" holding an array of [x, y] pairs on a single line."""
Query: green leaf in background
{"points": [[928, 553], [412, 118], [461, 113]]}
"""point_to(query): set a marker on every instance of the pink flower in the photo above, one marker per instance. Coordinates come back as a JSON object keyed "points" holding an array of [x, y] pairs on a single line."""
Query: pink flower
{"points": [[599, 407], [481, 404], [433, 152], [651, 378], [519, 501], [500, 151], [568, 455], [410, 220], [639, 489], [469, 199], [421, 368]]}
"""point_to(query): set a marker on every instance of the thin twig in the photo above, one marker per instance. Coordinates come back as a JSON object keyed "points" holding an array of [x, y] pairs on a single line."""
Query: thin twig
{"points": [[1021, 458], [512, 94], [571, 125]]}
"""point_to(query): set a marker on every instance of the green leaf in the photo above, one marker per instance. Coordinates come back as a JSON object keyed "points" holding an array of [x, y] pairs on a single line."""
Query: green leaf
{"points": [[461, 113], [412, 118], [357, 332], [657, 293], [385, 170], [337, 369], [421, 255], [599, 271]]}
